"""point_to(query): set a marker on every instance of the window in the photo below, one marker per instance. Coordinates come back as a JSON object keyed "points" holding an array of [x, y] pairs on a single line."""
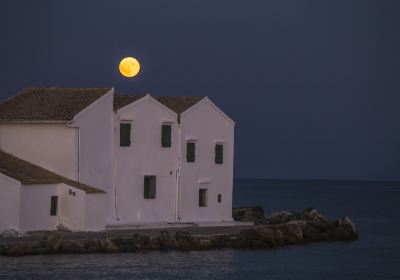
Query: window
{"points": [[53, 205], [219, 153], [149, 187], [219, 198], [166, 135], [190, 151], [202, 197], [124, 134]]}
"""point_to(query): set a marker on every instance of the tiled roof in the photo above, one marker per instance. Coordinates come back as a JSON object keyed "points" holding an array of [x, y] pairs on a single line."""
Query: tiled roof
{"points": [[48, 104], [123, 100], [31, 174], [178, 104]]}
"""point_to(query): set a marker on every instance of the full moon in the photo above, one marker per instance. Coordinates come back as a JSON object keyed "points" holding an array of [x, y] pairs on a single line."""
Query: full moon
{"points": [[129, 67]]}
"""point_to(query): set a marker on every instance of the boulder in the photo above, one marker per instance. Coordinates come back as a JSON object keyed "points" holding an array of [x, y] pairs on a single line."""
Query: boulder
{"points": [[204, 243], [23, 248], [344, 230], [293, 233], [107, 245], [281, 217], [52, 242], [167, 241], [140, 242], [249, 214], [81, 246], [125, 244], [185, 240]]}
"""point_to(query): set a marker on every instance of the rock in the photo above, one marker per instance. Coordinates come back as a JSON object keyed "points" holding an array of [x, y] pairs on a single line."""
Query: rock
{"points": [[280, 217], [320, 221], [185, 240], [220, 241], [248, 214], [204, 244], [9, 233], [154, 243], [167, 241], [23, 248], [140, 242], [279, 237], [52, 241], [81, 246], [125, 244], [107, 245], [293, 233], [311, 232], [345, 230]]}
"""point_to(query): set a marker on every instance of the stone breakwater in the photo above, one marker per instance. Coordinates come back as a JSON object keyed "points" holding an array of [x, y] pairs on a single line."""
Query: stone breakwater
{"points": [[279, 229]]}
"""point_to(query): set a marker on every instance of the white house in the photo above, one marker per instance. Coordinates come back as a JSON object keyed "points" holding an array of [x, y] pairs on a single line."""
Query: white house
{"points": [[86, 158]]}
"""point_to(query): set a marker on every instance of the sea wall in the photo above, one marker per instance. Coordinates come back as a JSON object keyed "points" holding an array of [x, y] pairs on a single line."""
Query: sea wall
{"points": [[279, 229]]}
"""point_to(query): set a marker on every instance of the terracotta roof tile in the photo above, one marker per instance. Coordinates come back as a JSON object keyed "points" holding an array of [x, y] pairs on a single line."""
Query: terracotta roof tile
{"points": [[123, 100], [178, 104], [31, 174], [48, 104]]}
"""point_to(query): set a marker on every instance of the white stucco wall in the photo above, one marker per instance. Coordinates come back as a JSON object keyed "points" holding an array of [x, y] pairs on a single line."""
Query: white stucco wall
{"points": [[96, 142], [52, 146], [145, 156], [9, 203], [206, 125], [72, 207], [35, 207], [95, 212], [36, 202]]}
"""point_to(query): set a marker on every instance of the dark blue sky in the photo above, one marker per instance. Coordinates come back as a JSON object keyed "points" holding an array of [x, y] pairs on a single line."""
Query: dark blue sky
{"points": [[313, 86]]}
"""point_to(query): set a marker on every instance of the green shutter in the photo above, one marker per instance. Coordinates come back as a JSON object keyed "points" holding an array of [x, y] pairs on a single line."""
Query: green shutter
{"points": [[219, 154], [125, 134], [166, 135], [190, 152]]}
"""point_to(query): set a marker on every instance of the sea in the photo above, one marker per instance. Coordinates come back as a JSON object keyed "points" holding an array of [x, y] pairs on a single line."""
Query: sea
{"points": [[374, 207]]}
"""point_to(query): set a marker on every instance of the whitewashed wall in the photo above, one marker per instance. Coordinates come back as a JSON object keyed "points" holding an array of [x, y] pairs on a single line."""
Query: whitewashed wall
{"points": [[9, 203], [52, 146], [71, 207], [95, 212], [145, 156], [96, 142], [205, 124], [35, 207]]}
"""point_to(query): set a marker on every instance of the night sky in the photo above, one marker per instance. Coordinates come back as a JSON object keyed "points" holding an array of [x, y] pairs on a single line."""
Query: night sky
{"points": [[313, 86]]}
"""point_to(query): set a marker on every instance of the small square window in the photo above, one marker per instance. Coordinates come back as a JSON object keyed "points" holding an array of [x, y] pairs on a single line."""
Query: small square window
{"points": [[124, 134], [53, 205], [202, 197], [149, 187]]}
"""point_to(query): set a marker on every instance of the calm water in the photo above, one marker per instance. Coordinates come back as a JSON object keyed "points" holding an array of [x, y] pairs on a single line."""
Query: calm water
{"points": [[375, 210]]}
